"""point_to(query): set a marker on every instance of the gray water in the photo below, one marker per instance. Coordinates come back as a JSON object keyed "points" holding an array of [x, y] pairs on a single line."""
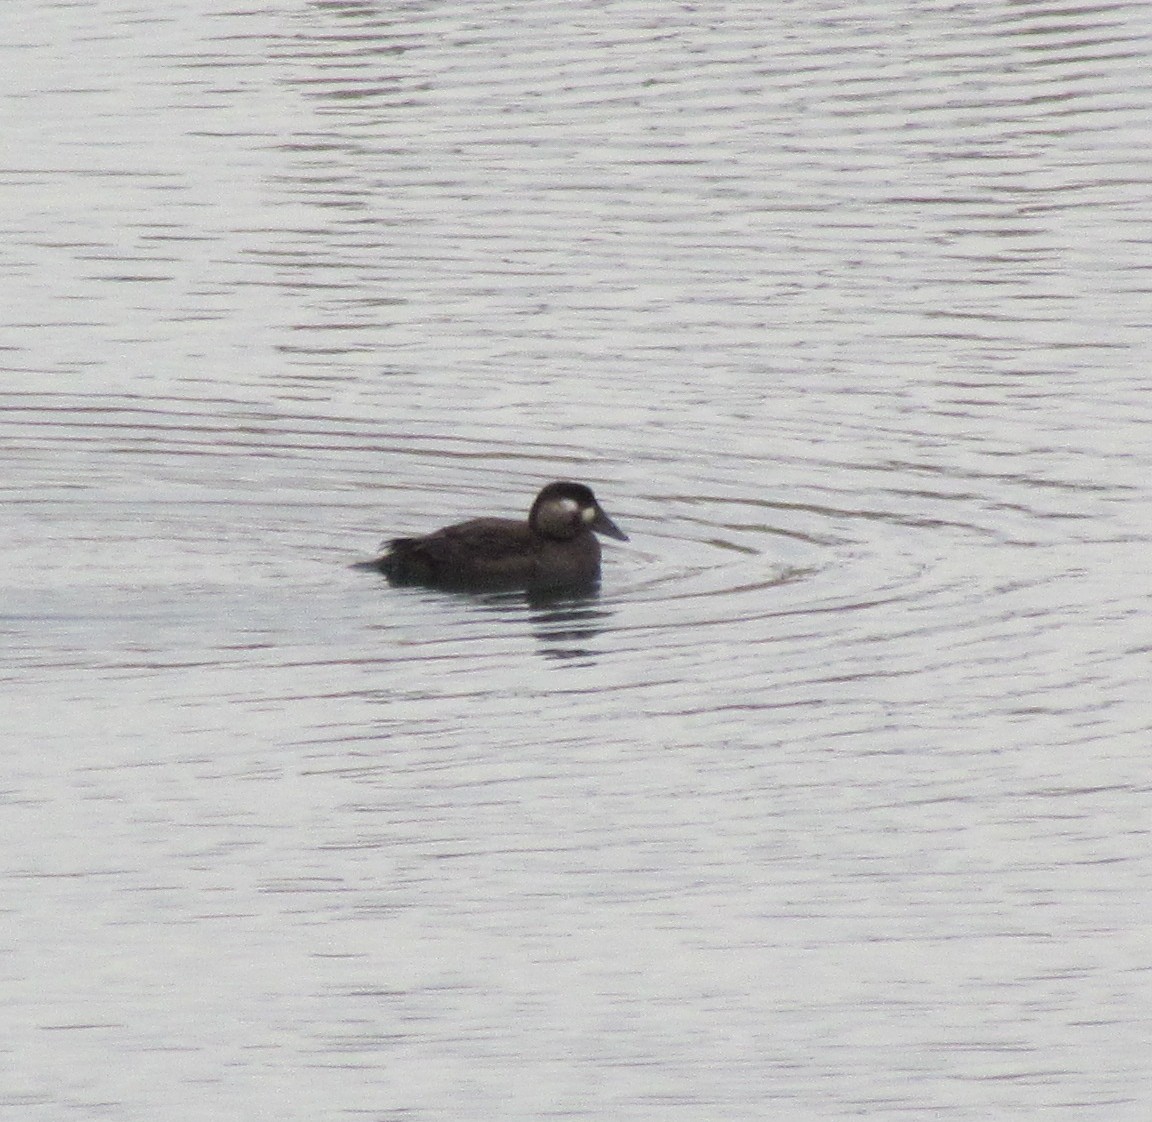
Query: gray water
{"points": [[833, 804]]}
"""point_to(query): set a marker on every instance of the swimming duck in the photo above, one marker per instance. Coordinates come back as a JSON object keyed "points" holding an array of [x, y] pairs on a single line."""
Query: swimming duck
{"points": [[556, 549]]}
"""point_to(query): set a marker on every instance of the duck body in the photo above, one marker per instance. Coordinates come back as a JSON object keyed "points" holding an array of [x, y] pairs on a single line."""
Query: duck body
{"points": [[556, 549]]}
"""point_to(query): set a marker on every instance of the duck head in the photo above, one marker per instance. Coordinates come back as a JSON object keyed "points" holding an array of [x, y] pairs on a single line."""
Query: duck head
{"points": [[564, 510]]}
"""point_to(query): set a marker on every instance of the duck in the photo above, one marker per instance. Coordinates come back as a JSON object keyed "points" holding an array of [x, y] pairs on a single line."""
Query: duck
{"points": [[555, 550]]}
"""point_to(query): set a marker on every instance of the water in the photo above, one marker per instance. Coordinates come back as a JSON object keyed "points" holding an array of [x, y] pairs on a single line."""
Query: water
{"points": [[833, 804]]}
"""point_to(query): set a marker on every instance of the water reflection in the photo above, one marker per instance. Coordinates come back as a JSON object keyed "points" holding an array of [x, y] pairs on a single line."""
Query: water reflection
{"points": [[565, 629], [564, 623], [849, 315]]}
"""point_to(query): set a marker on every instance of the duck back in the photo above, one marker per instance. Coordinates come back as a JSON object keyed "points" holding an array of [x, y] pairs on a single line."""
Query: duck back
{"points": [[493, 553]]}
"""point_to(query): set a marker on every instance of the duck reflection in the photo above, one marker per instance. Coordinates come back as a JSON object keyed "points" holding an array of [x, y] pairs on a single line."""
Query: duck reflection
{"points": [[564, 625], [565, 630]]}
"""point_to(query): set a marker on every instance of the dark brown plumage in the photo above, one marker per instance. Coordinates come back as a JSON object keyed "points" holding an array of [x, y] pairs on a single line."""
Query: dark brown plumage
{"points": [[555, 549]]}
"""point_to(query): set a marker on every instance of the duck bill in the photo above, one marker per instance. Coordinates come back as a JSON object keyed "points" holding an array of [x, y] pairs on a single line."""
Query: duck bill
{"points": [[602, 524]]}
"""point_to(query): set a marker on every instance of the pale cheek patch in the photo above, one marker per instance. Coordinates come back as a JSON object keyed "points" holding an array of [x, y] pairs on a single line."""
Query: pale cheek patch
{"points": [[588, 514]]}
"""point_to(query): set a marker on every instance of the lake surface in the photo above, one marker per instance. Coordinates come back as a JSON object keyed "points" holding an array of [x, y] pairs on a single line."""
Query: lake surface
{"points": [[834, 803]]}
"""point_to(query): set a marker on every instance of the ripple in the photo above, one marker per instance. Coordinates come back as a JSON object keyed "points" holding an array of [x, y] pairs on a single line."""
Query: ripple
{"points": [[845, 317]]}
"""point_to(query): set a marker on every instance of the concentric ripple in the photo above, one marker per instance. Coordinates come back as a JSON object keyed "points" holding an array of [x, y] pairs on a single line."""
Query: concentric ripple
{"points": [[835, 798]]}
